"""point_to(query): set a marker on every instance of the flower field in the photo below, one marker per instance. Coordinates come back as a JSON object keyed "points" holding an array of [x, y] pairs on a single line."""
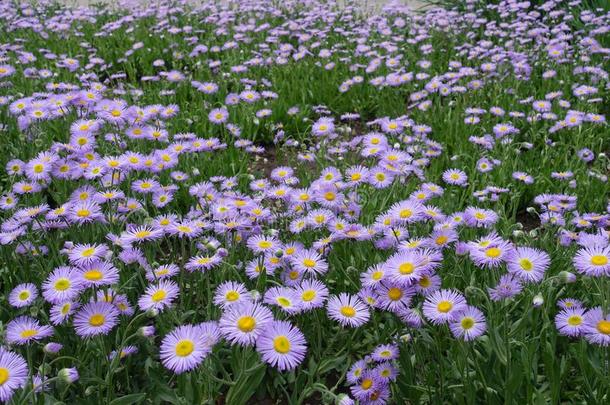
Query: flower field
{"points": [[305, 202]]}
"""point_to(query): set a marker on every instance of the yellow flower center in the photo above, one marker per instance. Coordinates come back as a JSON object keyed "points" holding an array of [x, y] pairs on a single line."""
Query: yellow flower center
{"points": [[603, 326], [283, 301], [281, 344], [348, 311], [467, 322], [444, 306], [309, 263], [83, 213], [24, 295], [493, 252], [28, 333], [142, 234], [88, 252], [184, 347], [264, 244], [395, 293], [526, 264], [308, 295], [97, 320], [406, 268], [159, 296], [366, 384], [93, 275], [441, 240], [232, 296], [62, 284], [246, 324], [329, 196], [356, 176], [406, 213], [574, 320], [599, 260], [4, 375]]}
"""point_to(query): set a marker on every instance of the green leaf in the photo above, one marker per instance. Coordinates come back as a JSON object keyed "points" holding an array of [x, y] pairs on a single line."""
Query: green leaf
{"points": [[130, 399]]}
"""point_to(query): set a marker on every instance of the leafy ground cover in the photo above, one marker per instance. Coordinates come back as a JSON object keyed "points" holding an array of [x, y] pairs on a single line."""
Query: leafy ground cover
{"points": [[303, 202]]}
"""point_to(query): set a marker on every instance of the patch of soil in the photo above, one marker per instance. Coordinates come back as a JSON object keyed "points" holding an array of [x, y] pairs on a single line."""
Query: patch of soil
{"points": [[528, 221]]}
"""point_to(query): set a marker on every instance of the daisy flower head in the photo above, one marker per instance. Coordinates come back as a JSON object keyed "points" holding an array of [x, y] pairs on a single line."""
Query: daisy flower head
{"points": [[283, 297], [96, 318], [443, 306], [24, 329], [163, 271], [243, 323], [348, 310], [385, 352], [479, 217], [528, 264], [597, 327], [368, 385], [231, 293], [309, 261], [493, 255], [593, 261], [405, 212], [14, 372], [507, 287], [61, 285], [374, 275], [571, 321], [455, 177], [98, 273], [218, 115], [312, 294], [468, 324], [404, 268], [393, 297], [323, 126], [568, 303], [159, 296], [263, 244], [282, 345], [61, 312], [23, 295], [82, 254], [184, 349]]}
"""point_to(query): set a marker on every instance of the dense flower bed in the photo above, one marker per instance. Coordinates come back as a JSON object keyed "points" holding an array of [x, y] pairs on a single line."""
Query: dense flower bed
{"points": [[302, 202]]}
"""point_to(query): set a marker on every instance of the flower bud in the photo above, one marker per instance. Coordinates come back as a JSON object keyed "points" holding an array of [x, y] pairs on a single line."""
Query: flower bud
{"points": [[52, 348], [567, 277], [146, 331], [68, 375], [538, 300]]}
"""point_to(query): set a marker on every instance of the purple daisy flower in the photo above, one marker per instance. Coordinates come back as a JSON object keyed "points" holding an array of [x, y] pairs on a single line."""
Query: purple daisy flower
{"points": [[444, 306], [507, 287], [23, 295], [61, 285], [348, 310], [571, 321], [24, 329], [593, 261], [282, 345], [96, 318], [230, 293], [243, 323], [469, 324], [159, 296], [184, 349], [528, 264], [597, 327], [14, 372]]}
